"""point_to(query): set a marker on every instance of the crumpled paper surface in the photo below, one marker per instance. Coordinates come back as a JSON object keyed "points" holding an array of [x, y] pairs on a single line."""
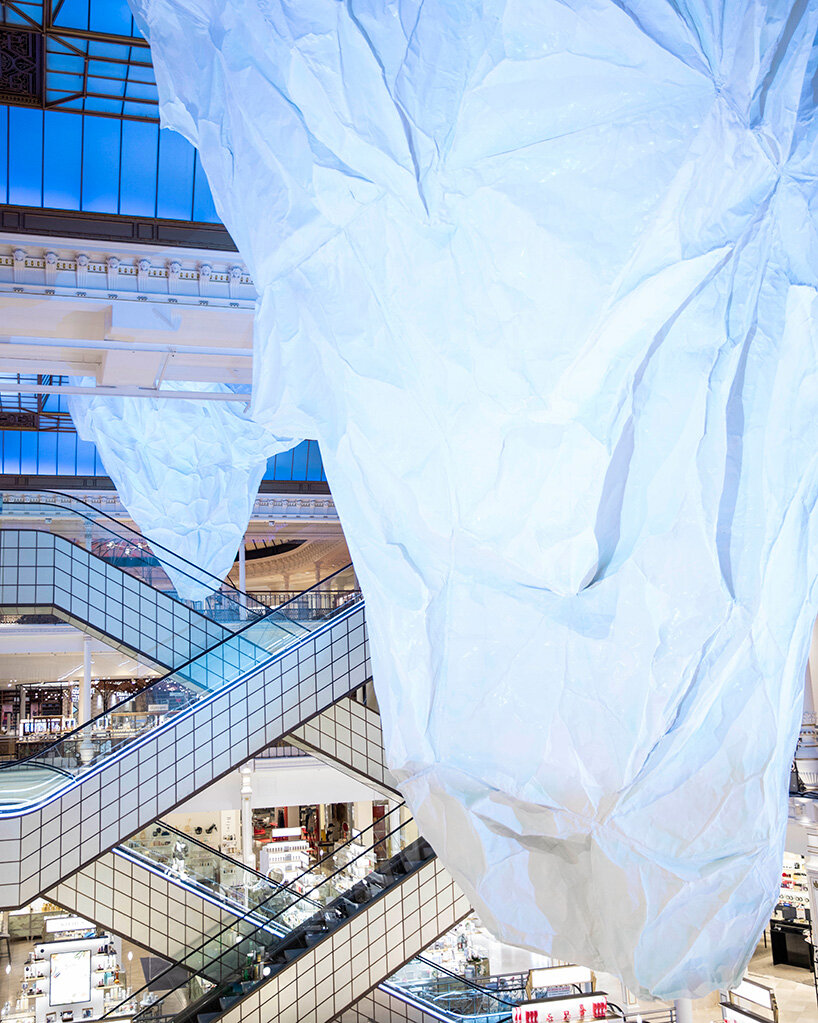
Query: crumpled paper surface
{"points": [[187, 471], [540, 277]]}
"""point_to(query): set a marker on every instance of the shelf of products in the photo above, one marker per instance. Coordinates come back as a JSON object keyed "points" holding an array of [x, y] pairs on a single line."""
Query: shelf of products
{"points": [[76, 976]]}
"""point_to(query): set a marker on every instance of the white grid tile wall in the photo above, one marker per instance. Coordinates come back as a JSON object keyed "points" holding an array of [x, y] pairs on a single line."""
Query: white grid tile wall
{"points": [[170, 764], [128, 899], [381, 1006], [348, 736], [41, 573]]}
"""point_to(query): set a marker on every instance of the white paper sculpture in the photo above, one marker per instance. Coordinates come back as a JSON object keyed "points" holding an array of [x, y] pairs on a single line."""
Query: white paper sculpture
{"points": [[540, 277], [187, 471]]}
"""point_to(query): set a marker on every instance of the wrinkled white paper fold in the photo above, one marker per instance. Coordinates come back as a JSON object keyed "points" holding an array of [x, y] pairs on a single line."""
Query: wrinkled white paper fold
{"points": [[187, 471], [540, 277]]}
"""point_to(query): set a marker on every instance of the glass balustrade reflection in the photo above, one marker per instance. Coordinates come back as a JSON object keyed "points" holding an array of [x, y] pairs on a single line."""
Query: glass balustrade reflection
{"points": [[449, 996]]}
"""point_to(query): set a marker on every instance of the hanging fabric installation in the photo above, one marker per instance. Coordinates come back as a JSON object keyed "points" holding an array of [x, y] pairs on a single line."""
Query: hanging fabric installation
{"points": [[540, 277], [187, 471]]}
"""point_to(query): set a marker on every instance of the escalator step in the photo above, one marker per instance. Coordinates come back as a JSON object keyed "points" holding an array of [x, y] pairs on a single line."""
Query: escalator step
{"points": [[207, 1017]]}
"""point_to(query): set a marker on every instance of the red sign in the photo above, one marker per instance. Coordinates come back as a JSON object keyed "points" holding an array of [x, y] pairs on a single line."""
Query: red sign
{"points": [[563, 1010]]}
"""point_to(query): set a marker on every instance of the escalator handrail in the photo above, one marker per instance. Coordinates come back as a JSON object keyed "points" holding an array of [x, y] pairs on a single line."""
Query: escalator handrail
{"points": [[299, 897], [74, 733], [109, 525], [463, 980], [435, 1011]]}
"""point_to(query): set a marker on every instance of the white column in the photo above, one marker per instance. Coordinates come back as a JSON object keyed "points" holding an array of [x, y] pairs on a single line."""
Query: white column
{"points": [[247, 853], [811, 681], [84, 702], [684, 1010]]}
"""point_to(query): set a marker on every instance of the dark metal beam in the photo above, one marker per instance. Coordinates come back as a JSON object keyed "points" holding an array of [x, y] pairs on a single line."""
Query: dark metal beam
{"points": [[104, 227]]}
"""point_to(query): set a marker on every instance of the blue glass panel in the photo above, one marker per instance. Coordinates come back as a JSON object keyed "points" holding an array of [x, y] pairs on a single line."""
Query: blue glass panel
{"points": [[73, 14], [142, 90], [66, 454], [96, 105], [64, 60], [47, 454], [112, 16], [4, 138], [137, 189], [203, 207], [62, 166], [11, 452], [100, 168], [28, 12], [28, 453], [175, 176], [86, 458], [62, 82], [116, 51], [300, 461], [315, 467], [284, 466], [71, 104], [25, 156], [105, 85]]}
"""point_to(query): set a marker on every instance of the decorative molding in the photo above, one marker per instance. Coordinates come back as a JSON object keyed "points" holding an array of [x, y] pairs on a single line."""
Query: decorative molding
{"points": [[21, 80], [123, 273]]}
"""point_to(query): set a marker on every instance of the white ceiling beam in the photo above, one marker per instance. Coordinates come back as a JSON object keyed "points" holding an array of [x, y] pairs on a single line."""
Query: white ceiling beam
{"points": [[120, 392]]}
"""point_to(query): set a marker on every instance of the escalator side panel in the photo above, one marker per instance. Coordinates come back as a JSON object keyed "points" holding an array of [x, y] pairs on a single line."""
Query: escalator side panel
{"points": [[170, 764], [381, 1006], [348, 736], [128, 899], [41, 573]]}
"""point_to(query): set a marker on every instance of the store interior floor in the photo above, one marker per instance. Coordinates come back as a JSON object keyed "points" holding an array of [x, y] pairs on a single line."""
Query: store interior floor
{"points": [[794, 988]]}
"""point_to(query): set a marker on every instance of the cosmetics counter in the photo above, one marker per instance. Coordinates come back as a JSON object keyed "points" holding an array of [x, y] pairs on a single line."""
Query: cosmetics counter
{"points": [[791, 924], [74, 975]]}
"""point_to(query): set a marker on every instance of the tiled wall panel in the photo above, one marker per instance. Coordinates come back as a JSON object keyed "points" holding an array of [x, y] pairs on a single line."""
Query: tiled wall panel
{"points": [[47, 574], [381, 1006], [348, 736], [128, 899]]}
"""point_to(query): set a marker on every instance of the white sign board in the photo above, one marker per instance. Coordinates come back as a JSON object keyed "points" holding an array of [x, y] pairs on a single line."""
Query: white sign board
{"points": [[70, 977], [563, 1010], [557, 976]]}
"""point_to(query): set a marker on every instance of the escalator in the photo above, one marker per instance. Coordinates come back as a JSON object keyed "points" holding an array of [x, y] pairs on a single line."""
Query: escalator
{"points": [[111, 776], [385, 879], [429, 988], [246, 901]]}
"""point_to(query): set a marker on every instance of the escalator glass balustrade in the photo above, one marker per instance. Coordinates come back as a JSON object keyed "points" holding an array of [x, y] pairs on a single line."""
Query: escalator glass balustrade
{"points": [[74, 521], [447, 996]]}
